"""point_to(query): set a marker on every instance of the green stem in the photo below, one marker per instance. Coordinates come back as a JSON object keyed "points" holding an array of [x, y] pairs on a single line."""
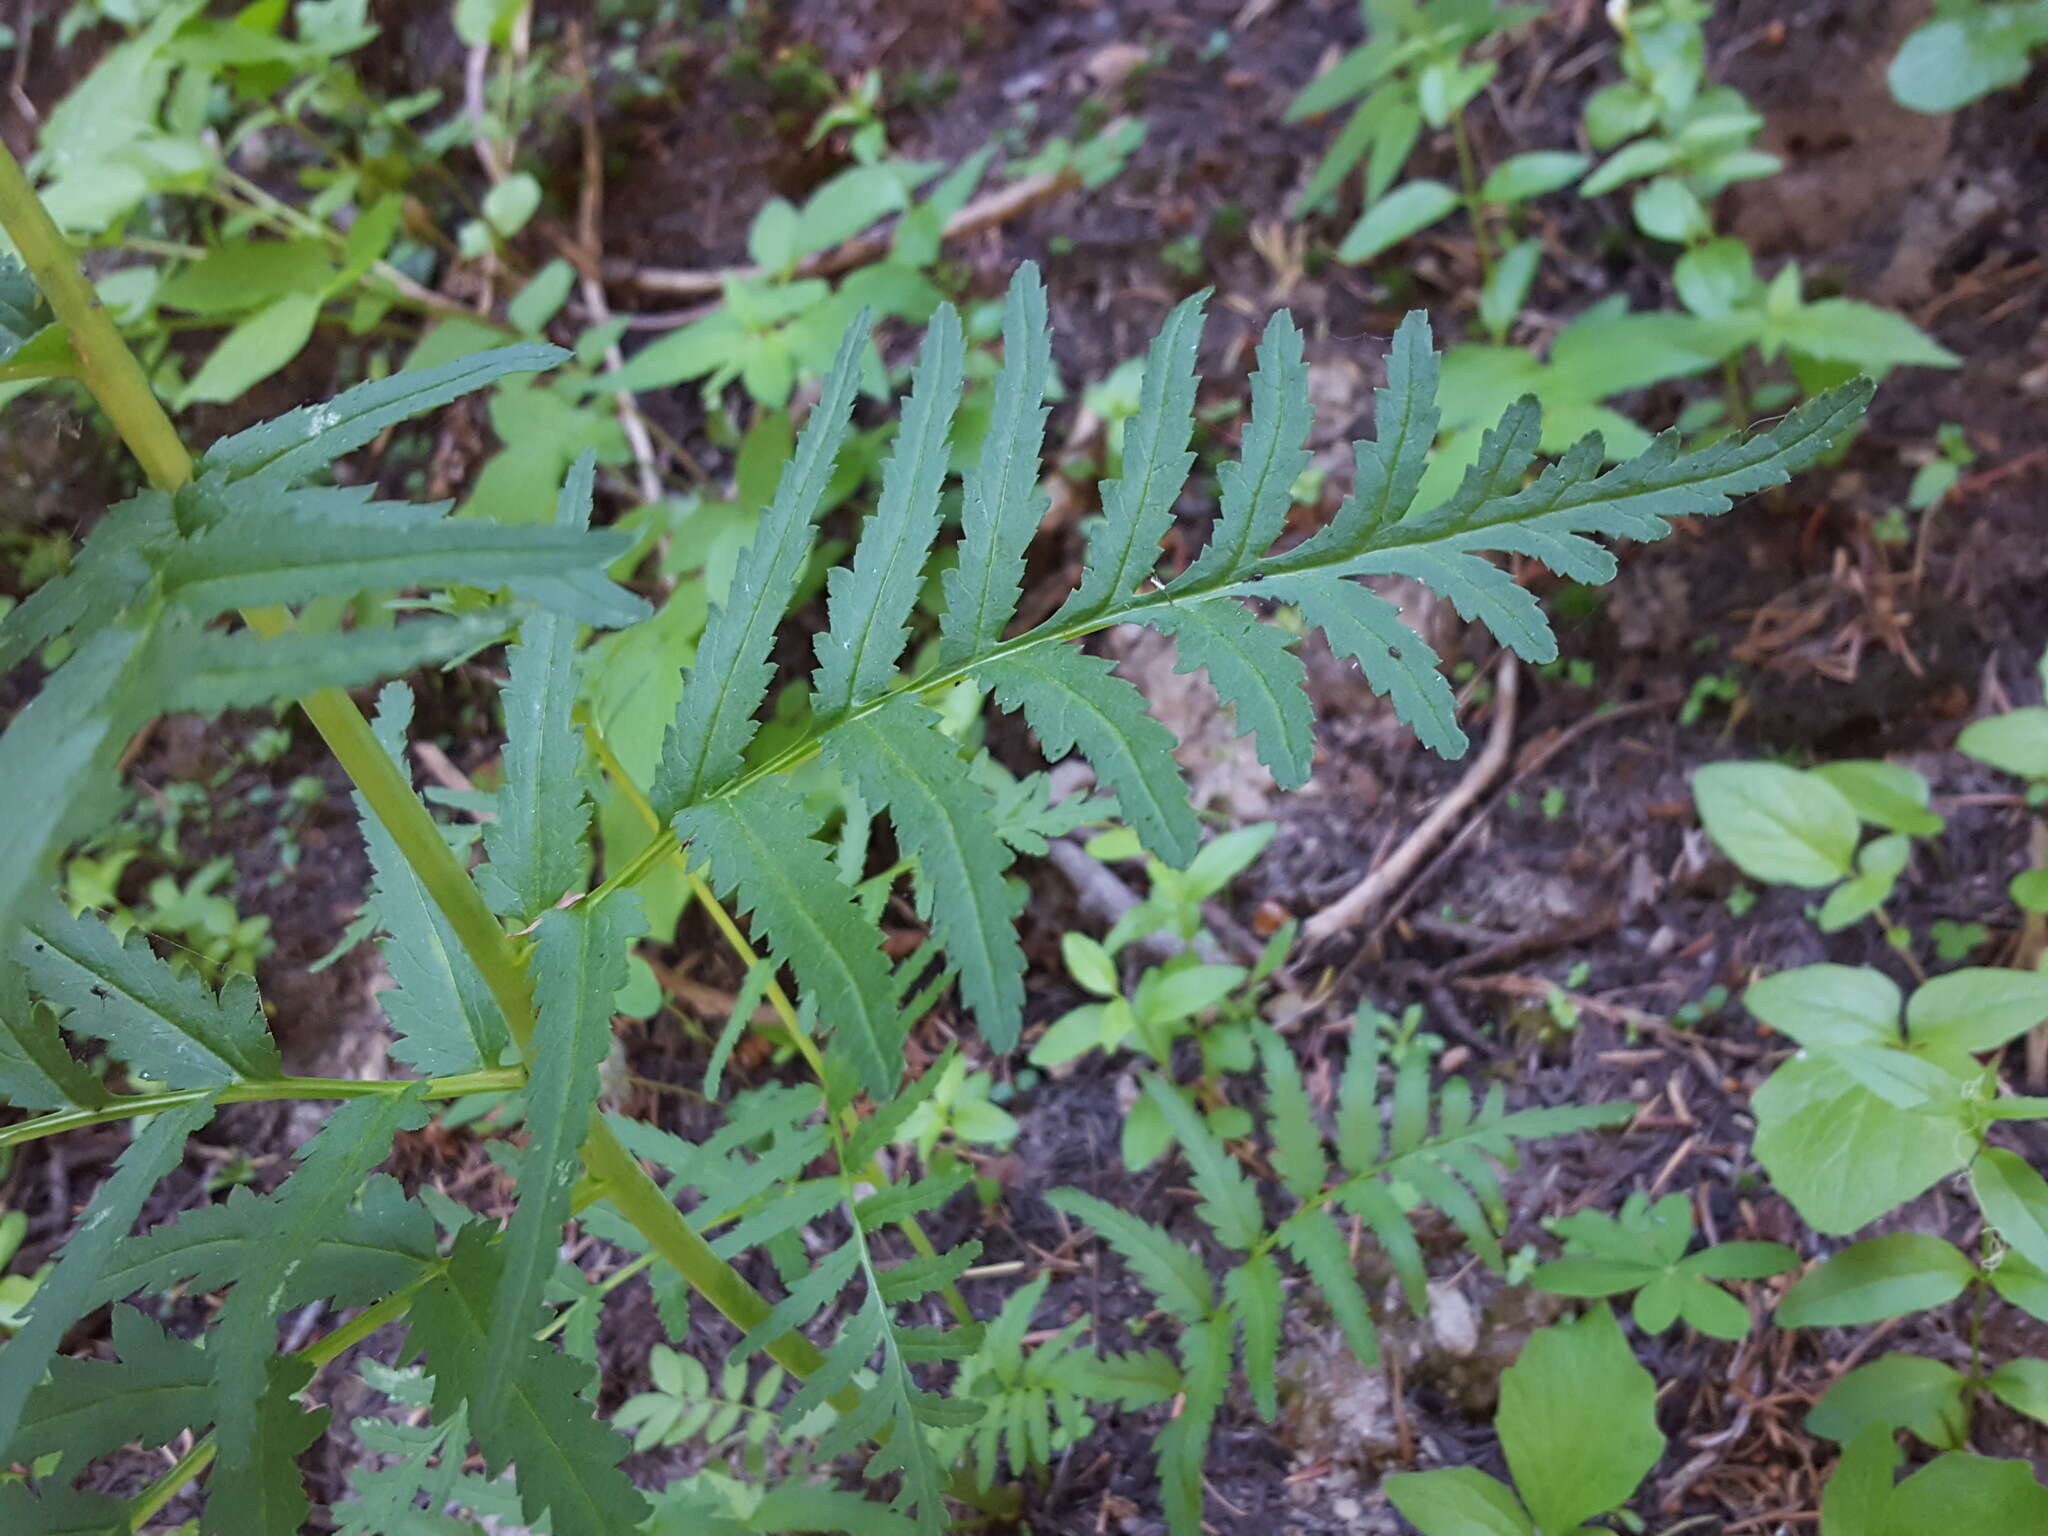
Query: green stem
{"points": [[258, 1091], [1475, 210], [116, 380], [106, 365]]}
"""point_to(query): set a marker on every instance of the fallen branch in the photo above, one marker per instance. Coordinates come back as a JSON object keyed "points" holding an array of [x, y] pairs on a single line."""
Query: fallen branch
{"points": [[1350, 909], [984, 212]]}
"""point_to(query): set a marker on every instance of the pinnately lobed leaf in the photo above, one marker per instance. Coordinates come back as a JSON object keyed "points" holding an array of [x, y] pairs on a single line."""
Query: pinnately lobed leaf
{"points": [[579, 965], [536, 838], [715, 720]]}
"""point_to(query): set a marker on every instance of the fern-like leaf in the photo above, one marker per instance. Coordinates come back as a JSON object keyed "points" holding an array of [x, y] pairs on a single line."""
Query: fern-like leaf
{"points": [[715, 720], [374, 1247], [1389, 467], [944, 822], [64, 1296], [579, 965], [155, 1388], [1002, 504], [263, 1493], [568, 1462], [106, 576], [536, 838], [204, 671], [1257, 488], [759, 845], [355, 1139], [1230, 1201], [1397, 662], [37, 1070], [1312, 1237], [1074, 700], [1252, 1292], [168, 1025], [1184, 1443], [439, 1005], [291, 447], [1253, 665], [1137, 507], [279, 552], [1171, 1272], [869, 601]]}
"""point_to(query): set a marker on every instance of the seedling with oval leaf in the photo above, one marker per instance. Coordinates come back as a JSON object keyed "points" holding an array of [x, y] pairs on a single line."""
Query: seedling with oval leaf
{"points": [[1642, 1249]]}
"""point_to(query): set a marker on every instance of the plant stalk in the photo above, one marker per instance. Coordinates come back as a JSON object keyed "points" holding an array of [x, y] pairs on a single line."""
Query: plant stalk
{"points": [[109, 369]]}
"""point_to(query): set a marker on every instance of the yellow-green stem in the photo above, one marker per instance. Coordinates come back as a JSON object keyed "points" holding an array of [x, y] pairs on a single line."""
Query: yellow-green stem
{"points": [[258, 1091]]}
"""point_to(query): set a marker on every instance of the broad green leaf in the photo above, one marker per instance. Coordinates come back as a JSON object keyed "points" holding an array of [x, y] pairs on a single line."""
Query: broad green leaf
{"points": [[1073, 699], [2023, 1284], [900, 761], [579, 964], [869, 601], [61, 1511], [1578, 1421], [1171, 1272], [1777, 824], [2015, 1201], [1408, 210], [1521, 177], [2015, 742], [2022, 1384], [255, 349], [715, 720], [239, 275], [65, 1296], [1884, 794], [568, 1462], [1964, 53], [1978, 1008], [355, 1139], [1312, 1237], [1841, 1154], [167, 1024], [536, 837], [1002, 503], [1887, 1276], [1898, 1391], [759, 846], [1995, 1497], [1822, 1006], [1742, 1261], [1137, 506], [1457, 1501]]}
